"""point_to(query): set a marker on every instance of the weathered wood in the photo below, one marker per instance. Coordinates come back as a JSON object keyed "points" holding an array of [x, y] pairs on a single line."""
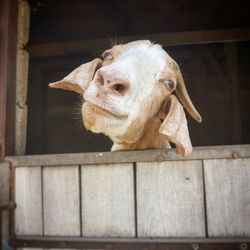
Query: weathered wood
{"points": [[61, 201], [8, 22], [166, 39], [232, 72], [106, 240], [21, 128], [2, 78], [28, 197], [170, 200], [4, 196], [228, 197], [199, 153], [38, 115], [133, 243], [9, 70], [22, 77], [108, 201]]}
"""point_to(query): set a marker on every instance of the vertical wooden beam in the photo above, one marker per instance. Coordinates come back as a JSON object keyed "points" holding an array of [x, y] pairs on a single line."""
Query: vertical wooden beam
{"points": [[232, 72], [4, 196], [2, 77], [199, 96], [22, 77], [36, 116], [8, 34], [11, 77]]}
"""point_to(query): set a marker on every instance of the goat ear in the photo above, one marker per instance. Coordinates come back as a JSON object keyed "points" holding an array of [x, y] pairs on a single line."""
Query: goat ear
{"points": [[175, 128], [183, 96], [79, 79]]}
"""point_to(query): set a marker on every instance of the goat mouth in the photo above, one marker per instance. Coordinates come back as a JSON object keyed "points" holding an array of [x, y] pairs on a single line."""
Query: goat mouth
{"points": [[103, 111]]}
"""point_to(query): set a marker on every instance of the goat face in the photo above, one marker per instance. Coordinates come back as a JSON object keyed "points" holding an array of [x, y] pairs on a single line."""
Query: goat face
{"points": [[128, 91]]}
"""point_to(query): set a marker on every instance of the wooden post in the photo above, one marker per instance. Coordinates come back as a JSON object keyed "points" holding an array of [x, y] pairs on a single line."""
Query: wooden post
{"points": [[22, 77], [232, 72], [2, 77], [8, 28]]}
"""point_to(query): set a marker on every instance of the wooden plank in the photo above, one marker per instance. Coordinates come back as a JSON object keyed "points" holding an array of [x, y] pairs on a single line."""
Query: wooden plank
{"points": [[212, 152], [35, 240], [36, 99], [228, 197], [170, 200], [108, 201], [10, 36], [139, 244], [3, 51], [28, 197], [134, 243], [11, 78], [232, 72], [61, 201], [8, 23], [166, 39], [22, 71], [4, 196]]}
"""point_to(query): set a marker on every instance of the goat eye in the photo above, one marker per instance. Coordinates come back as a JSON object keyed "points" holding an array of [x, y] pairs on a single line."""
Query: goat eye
{"points": [[169, 84], [107, 56]]}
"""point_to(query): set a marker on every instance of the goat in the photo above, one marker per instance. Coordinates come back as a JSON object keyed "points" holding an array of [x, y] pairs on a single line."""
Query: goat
{"points": [[128, 95]]}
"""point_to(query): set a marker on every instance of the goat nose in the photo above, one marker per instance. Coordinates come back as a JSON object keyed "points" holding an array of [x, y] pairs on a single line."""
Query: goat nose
{"points": [[112, 83]]}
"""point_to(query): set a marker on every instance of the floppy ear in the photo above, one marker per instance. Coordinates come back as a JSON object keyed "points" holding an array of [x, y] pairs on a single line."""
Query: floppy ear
{"points": [[79, 79], [182, 93], [175, 128]]}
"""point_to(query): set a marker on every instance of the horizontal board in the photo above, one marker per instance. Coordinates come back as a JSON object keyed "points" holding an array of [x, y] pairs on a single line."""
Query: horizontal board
{"points": [[212, 152], [228, 197], [81, 241], [28, 197], [108, 201], [61, 201], [166, 39], [170, 200], [136, 244]]}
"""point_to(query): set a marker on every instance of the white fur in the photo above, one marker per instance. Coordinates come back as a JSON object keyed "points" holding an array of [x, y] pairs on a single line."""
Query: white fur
{"points": [[139, 65]]}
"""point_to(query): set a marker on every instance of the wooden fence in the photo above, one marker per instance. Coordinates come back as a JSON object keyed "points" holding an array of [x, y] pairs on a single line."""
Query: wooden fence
{"points": [[142, 194]]}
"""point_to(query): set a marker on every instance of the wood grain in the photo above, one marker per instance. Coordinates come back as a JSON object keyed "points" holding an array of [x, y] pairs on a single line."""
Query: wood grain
{"points": [[4, 196], [218, 152], [170, 199], [108, 200], [28, 197], [8, 40], [228, 197], [166, 39], [61, 201]]}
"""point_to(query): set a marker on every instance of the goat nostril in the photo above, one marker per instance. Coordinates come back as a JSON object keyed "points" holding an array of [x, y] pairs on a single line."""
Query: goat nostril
{"points": [[99, 79]]}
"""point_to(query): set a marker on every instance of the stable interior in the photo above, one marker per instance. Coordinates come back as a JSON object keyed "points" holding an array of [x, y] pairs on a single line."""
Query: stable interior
{"points": [[65, 34]]}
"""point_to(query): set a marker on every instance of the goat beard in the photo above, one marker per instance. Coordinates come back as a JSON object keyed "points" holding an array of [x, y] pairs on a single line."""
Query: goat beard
{"points": [[99, 120]]}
